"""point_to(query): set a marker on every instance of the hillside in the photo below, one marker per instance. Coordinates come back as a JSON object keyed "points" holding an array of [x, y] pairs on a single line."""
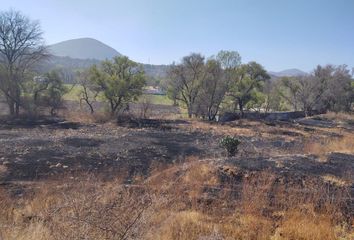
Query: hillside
{"points": [[83, 48], [84, 52], [288, 73]]}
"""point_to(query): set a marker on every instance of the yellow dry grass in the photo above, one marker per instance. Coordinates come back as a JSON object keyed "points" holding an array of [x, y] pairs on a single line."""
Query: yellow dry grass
{"points": [[329, 145], [78, 209], [340, 116], [308, 225], [84, 117], [201, 126]]}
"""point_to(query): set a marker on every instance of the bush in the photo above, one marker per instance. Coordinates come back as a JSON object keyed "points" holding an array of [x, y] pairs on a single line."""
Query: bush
{"points": [[230, 144]]}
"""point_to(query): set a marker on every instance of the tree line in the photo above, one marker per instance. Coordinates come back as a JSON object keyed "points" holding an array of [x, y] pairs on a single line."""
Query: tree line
{"points": [[204, 86], [222, 82]]}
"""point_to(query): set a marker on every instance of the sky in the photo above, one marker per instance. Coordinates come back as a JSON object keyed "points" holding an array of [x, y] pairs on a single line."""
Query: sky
{"points": [[279, 34]]}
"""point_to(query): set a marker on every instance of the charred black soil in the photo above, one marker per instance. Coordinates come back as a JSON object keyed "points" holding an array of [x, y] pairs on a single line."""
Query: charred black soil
{"points": [[39, 149]]}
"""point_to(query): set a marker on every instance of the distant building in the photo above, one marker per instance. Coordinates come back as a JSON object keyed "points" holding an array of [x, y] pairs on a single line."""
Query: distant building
{"points": [[39, 79], [154, 90]]}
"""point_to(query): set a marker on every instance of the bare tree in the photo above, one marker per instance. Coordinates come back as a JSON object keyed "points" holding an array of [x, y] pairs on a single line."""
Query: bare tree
{"points": [[326, 88], [145, 107], [89, 91], [21, 46], [218, 75], [340, 95], [213, 89], [273, 97], [289, 90], [186, 79]]}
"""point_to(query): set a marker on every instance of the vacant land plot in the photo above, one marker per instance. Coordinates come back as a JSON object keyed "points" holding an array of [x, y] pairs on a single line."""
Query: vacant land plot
{"points": [[281, 170]]}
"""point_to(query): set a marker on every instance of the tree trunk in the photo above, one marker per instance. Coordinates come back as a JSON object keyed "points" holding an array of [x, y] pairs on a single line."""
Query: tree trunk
{"points": [[17, 109], [240, 105], [91, 107], [87, 100], [189, 113], [305, 108], [112, 107], [88, 104], [52, 112], [11, 105]]}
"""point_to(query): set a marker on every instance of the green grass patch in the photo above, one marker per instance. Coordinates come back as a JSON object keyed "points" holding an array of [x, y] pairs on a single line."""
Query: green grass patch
{"points": [[73, 95], [74, 92], [157, 99]]}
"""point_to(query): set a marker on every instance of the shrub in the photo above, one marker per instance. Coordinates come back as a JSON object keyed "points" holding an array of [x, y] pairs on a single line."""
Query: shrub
{"points": [[230, 144]]}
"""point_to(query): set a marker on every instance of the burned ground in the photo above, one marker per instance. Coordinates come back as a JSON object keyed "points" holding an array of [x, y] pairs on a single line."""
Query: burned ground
{"points": [[34, 150], [281, 167], [47, 150]]}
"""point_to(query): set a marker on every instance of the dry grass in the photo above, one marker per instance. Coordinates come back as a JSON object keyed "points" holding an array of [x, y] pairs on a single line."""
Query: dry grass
{"points": [[88, 209], [195, 199], [295, 212], [32, 231], [329, 145], [183, 225], [248, 226], [84, 117], [192, 200], [307, 224], [342, 117], [201, 126], [336, 180]]}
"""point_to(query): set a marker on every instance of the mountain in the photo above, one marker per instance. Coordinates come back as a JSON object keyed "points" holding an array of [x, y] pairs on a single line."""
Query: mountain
{"points": [[82, 53], [288, 73], [83, 48]]}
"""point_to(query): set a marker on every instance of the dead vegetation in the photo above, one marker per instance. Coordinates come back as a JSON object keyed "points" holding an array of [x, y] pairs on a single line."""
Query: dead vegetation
{"points": [[171, 180], [343, 144], [180, 203]]}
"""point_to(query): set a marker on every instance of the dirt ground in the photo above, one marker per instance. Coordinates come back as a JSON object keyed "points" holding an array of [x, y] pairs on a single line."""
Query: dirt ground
{"points": [[289, 180], [39, 149]]}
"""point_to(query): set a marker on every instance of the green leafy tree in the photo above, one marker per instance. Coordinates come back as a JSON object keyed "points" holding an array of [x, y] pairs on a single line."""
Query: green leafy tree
{"points": [[258, 101], [245, 80], [121, 81], [49, 91], [229, 60]]}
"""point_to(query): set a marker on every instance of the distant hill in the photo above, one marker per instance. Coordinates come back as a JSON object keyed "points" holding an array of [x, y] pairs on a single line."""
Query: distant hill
{"points": [[154, 72], [83, 48], [82, 53], [288, 73], [67, 63]]}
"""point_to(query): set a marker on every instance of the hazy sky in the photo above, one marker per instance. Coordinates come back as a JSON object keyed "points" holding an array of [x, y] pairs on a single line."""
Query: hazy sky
{"points": [[279, 34]]}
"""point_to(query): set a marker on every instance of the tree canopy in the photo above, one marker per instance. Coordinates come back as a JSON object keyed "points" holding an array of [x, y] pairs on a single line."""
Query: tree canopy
{"points": [[120, 80]]}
